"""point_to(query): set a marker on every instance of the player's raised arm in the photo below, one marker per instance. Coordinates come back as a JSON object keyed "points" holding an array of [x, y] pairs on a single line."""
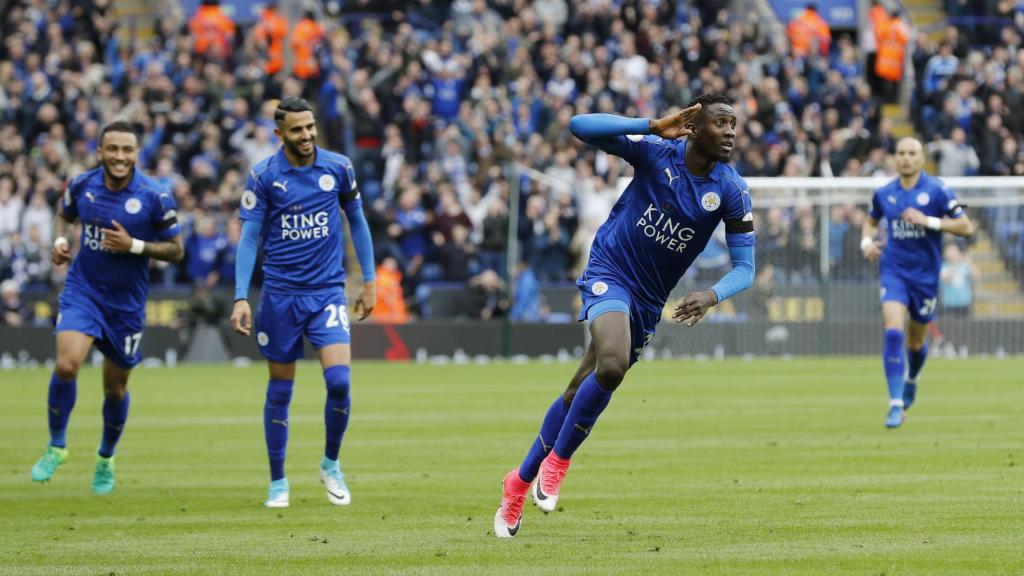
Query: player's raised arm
{"points": [[605, 131]]}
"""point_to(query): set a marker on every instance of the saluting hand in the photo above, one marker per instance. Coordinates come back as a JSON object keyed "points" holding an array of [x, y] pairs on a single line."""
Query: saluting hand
{"points": [[678, 125], [365, 301], [694, 306], [116, 239]]}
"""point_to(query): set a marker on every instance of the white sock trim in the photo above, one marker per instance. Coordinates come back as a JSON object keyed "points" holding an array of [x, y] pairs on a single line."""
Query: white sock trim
{"points": [[896, 402]]}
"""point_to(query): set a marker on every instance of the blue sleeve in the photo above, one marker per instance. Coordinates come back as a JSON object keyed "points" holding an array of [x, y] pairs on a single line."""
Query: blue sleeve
{"points": [[740, 277], [876, 206], [361, 238], [165, 217], [69, 201], [739, 216], [254, 200], [950, 204], [245, 257], [616, 135]]}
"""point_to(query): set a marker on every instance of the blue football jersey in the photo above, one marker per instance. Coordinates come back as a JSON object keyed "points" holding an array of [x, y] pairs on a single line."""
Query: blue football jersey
{"points": [[665, 217], [913, 251], [300, 210], [146, 210]]}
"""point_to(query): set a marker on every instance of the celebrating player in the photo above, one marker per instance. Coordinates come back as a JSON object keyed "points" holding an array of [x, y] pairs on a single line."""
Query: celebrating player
{"points": [[917, 208], [127, 218], [292, 199], [681, 190]]}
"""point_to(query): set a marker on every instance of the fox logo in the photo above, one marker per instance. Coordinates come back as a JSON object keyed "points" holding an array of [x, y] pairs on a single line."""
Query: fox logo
{"points": [[670, 176]]}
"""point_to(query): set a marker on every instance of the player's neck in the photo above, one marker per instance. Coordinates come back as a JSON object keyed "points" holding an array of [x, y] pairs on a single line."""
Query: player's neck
{"points": [[299, 161], [697, 164], [117, 184], [908, 182]]}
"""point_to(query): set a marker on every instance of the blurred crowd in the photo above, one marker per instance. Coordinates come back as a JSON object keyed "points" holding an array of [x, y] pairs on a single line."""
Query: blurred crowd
{"points": [[434, 100]]}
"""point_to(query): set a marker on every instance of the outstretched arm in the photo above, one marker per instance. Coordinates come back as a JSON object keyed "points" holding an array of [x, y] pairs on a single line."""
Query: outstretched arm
{"points": [[604, 130], [363, 242], [741, 277]]}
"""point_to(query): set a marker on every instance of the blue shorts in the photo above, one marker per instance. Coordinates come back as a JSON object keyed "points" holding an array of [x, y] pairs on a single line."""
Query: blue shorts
{"points": [[603, 294], [919, 299], [118, 334], [282, 319]]}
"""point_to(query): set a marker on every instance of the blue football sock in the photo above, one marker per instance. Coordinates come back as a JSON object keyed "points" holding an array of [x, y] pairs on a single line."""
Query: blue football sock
{"points": [[275, 424], [115, 414], [59, 405], [892, 358], [336, 409], [588, 404], [545, 440], [915, 361]]}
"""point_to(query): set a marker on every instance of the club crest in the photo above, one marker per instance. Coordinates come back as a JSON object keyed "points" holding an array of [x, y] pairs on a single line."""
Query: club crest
{"points": [[711, 201]]}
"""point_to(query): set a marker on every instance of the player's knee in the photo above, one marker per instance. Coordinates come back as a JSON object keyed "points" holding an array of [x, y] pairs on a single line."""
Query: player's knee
{"points": [[67, 368], [610, 371], [915, 343], [115, 390], [279, 392], [337, 379]]}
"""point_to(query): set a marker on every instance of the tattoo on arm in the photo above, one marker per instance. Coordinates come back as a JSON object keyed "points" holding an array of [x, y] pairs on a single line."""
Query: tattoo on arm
{"points": [[166, 250], [62, 223]]}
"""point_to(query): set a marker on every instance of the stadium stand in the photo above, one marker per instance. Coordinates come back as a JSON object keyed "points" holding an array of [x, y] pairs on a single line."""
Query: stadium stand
{"points": [[433, 103]]}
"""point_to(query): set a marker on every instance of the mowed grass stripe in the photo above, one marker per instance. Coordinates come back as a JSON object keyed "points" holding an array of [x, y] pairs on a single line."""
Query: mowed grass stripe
{"points": [[735, 467]]}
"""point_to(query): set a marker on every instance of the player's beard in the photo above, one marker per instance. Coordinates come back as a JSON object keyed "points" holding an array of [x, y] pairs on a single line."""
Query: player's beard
{"points": [[296, 149]]}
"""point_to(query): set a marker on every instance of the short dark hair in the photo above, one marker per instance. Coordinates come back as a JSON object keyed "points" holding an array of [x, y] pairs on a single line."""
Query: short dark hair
{"points": [[119, 126], [710, 98], [290, 105]]}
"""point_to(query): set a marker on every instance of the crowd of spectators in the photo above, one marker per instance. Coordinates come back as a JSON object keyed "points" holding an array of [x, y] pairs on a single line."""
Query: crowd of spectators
{"points": [[434, 101]]}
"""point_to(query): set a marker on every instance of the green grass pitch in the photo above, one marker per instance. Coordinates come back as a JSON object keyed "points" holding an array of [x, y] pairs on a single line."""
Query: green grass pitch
{"points": [[762, 467]]}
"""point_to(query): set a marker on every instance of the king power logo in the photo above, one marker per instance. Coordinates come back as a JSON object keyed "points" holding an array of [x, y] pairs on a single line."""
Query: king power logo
{"points": [[903, 230], [660, 227], [305, 226], [93, 237]]}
